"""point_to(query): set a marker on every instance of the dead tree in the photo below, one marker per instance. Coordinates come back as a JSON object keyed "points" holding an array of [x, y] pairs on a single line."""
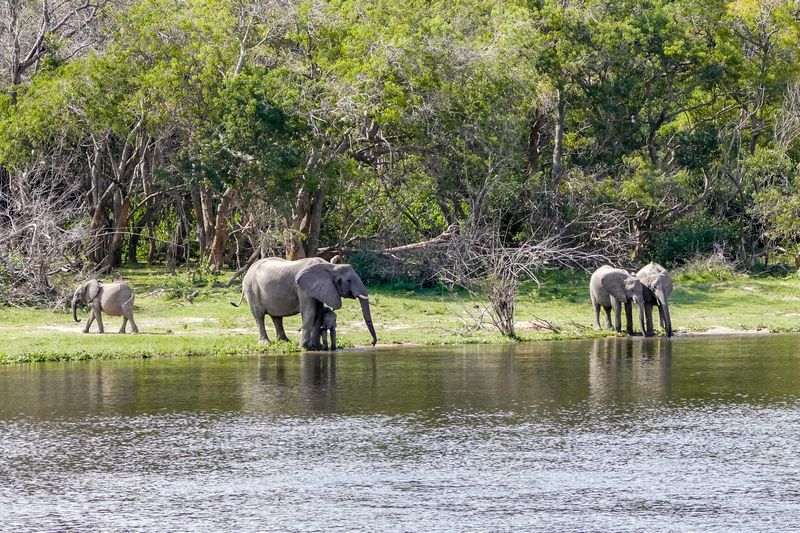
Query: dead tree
{"points": [[40, 229], [480, 261]]}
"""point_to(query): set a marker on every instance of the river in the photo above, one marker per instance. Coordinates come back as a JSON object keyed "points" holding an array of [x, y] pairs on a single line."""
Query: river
{"points": [[623, 434]]}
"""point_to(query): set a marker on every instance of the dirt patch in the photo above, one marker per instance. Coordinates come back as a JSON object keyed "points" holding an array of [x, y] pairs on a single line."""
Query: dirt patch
{"points": [[721, 330]]}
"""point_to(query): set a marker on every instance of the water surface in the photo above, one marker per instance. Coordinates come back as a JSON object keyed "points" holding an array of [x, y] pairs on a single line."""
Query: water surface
{"points": [[610, 434]]}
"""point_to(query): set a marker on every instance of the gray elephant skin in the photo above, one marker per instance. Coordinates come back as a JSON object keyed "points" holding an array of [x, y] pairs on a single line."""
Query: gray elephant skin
{"points": [[279, 288], [113, 299], [328, 326], [657, 289], [612, 288]]}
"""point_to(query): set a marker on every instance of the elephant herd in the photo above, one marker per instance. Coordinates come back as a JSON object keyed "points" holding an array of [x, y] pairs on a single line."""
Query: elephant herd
{"points": [[314, 288], [611, 288]]}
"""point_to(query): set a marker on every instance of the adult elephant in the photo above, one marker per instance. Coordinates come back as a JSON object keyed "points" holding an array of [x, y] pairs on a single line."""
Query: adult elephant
{"points": [[657, 289], [611, 288], [279, 288]]}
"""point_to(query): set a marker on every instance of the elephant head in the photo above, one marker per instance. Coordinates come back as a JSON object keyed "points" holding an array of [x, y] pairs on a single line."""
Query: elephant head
{"points": [[635, 291], [658, 284], [84, 294], [330, 283]]}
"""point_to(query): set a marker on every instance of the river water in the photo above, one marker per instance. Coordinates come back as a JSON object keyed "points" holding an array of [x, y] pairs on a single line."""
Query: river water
{"points": [[610, 434]]}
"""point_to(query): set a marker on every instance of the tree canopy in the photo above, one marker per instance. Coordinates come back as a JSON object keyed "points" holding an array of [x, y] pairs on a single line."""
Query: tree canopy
{"points": [[218, 131]]}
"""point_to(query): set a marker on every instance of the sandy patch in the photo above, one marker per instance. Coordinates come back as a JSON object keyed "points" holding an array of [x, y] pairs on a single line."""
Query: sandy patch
{"points": [[78, 328], [720, 330]]}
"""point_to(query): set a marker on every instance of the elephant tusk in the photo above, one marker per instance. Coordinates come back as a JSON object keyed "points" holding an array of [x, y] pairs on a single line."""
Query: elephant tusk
{"points": [[363, 297]]}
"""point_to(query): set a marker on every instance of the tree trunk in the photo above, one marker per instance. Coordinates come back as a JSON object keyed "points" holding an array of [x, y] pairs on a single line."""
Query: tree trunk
{"points": [[217, 255], [534, 137], [295, 226], [558, 144], [315, 221], [122, 206], [200, 227]]}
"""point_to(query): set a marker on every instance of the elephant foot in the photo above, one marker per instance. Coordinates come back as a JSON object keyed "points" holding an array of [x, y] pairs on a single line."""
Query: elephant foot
{"points": [[86, 331], [311, 347], [264, 340], [283, 338], [597, 328]]}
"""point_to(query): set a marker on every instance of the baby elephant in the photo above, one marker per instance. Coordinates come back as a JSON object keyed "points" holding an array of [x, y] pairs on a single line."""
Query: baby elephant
{"points": [[328, 324], [115, 299]]}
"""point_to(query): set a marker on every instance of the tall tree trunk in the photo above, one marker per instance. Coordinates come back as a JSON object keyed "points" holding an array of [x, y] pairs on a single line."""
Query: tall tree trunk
{"points": [[217, 256], [200, 227], [122, 206], [315, 221], [295, 222], [558, 144], [534, 137], [207, 208]]}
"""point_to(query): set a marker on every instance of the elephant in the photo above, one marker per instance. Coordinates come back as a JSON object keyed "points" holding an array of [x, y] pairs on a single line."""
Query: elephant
{"points": [[114, 299], [610, 288], [328, 325], [657, 289], [278, 287]]}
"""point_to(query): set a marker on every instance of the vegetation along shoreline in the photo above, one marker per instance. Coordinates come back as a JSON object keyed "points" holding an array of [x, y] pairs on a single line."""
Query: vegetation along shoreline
{"points": [[173, 325]]}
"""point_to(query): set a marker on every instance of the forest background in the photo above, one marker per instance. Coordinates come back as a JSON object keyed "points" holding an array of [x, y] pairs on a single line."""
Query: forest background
{"points": [[403, 135]]}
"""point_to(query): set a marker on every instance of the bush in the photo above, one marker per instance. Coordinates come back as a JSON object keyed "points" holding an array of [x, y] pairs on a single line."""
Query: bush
{"points": [[382, 269], [714, 267], [691, 238]]}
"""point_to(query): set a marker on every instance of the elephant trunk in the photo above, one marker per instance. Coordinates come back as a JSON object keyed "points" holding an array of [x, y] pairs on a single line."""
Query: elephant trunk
{"points": [[642, 317], [333, 339], [667, 319], [74, 308], [364, 301]]}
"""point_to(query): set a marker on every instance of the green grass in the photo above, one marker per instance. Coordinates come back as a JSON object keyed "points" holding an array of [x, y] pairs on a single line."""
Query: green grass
{"points": [[170, 325]]}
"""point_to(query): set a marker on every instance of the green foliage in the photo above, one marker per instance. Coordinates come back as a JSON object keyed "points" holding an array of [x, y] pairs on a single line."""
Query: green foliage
{"points": [[706, 268], [690, 237]]}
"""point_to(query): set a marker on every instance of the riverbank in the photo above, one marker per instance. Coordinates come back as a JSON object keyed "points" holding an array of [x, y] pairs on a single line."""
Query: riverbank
{"points": [[171, 325]]}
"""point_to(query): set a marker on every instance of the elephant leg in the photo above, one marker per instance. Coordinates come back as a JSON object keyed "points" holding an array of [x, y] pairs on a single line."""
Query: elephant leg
{"points": [[124, 323], [134, 329], [325, 339], [629, 317], [609, 325], [617, 315], [89, 322], [648, 314], [597, 317], [596, 307], [277, 321], [99, 318], [308, 312], [317, 337], [262, 329]]}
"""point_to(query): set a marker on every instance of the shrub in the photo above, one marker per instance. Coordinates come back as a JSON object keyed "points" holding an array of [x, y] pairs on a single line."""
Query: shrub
{"points": [[690, 238], [713, 267]]}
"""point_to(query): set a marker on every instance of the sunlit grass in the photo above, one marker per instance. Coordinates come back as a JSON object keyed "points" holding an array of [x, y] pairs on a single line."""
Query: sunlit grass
{"points": [[171, 325]]}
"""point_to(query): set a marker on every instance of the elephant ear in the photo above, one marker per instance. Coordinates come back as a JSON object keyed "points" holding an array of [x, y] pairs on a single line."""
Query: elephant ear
{"points": [[316, 281], [614, 284], [90, 290]]}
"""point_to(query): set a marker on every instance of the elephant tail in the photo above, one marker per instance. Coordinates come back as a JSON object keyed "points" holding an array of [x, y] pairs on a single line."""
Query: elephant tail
{"points": [[240, 300], [128, 300]]}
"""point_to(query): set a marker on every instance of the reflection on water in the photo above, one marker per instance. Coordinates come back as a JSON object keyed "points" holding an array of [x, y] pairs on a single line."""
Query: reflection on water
{"points": [[606, 434], [639, 367]]}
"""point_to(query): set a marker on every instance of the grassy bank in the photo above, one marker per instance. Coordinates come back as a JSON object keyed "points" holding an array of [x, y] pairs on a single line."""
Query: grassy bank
{"points": [[171, 325]]}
